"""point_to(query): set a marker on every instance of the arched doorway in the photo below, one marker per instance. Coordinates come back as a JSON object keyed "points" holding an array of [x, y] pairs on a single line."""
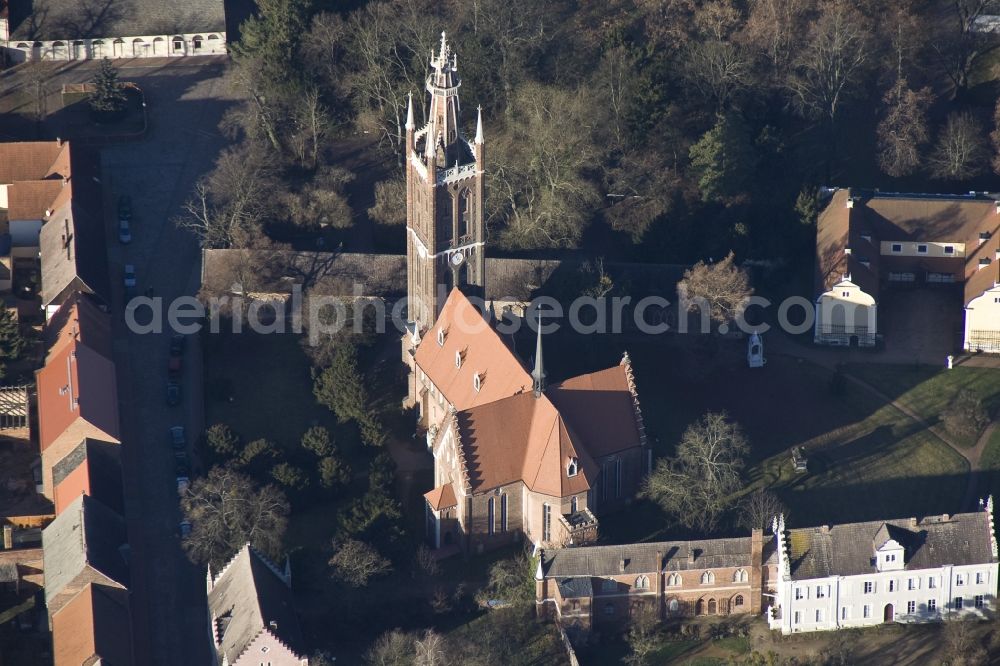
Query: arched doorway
{"points": [[59, 50], [159, 46], [712, 607], [213, 43], [36, 51], [97, 49], [139, 48], [118, 48], [887, 615], [699, 607], [79, 52]]}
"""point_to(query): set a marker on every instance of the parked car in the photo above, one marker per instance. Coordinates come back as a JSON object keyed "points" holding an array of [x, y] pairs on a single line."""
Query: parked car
{"points": [[182, 484], [125, 208], [129, 281], [174, 366], [177, 344], [177, 439], [124, 232], [173, 394], [184, 528], [181, 466]]}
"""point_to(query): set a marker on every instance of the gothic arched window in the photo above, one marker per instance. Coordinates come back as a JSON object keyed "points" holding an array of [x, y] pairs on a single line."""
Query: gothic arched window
{"points": [[674, 580], [707, 577], [465, 212]]}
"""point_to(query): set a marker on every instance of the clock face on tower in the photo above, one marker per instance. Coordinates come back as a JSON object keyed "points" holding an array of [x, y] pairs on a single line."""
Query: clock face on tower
{"points": [[457, 259]]}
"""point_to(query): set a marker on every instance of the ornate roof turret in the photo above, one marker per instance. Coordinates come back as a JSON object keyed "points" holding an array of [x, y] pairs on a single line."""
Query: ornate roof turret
{"points": [[538, 374]]}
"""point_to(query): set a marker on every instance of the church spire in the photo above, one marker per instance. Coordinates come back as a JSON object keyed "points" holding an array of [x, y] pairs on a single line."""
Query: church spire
{"points": [[538, 374], [409, 112], [479, 125]]}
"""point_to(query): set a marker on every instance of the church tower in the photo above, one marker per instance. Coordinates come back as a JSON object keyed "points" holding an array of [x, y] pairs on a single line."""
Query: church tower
{"points": [[444, 198]]}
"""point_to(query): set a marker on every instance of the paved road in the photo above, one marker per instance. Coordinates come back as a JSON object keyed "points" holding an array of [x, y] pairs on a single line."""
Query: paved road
{"points": [[186, 100]]}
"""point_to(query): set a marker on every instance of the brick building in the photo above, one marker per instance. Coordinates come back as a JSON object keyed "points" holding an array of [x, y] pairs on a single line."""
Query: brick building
{"points": [[603, 587]]}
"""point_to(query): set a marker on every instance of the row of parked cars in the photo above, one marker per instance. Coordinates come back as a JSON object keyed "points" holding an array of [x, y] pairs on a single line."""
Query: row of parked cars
{"points": [[178, 438]]}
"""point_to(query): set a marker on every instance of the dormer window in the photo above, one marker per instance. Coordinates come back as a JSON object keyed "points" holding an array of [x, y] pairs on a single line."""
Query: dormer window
{"points": [[477, 383], [572, 467], [441, 337]]}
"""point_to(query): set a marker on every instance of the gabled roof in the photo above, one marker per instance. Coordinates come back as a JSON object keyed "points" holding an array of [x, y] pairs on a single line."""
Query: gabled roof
{"points": [[248, 597], [523, 438], [483, 352], [33, 160], [80, 318], [76, 383], [442, 497], [874, 217], [846, 550], [71, 243], [101, 475], [29, 200], [86, 535], [601, 408], [93, 627], [63, 19], [640, 558]]}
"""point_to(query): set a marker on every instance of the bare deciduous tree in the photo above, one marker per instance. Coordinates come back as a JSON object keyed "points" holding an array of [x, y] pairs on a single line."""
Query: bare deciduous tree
{"points": [[759, 507], [723, 286], [539, 189], [227, 510], [390, 202], [776, 28], [960, 151], [429, 650], [393, 648], [903, 131], [643, 634], [229, 207], [955, 42], [356, 562], [832, 60], [697, 486]]}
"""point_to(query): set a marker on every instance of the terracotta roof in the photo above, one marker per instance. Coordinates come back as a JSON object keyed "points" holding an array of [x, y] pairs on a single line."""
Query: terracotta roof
{"points": [[93, 627], [848, 550], [906, 217], [29, 200], [249, 597], [76, 383], [523, 438], [482, 350], [80, 318], [98, 473], [441, 497], [924, 217], [33, 160], [600, 407]]}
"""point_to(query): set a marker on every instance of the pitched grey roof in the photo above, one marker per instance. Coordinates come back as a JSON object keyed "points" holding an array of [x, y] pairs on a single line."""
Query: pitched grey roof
{"points": [[76, 19], [249, 597], [577, 587], [86, 533], [848, 550], [71, 243], [641, 557]]}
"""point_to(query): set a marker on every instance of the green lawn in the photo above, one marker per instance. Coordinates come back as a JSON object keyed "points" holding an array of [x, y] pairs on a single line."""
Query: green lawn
{"points": [[886, 466], [260, 385], [927, 390]]}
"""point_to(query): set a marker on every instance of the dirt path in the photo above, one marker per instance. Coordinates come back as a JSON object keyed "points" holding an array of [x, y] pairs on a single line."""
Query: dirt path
{"points": [[831, 359]]}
